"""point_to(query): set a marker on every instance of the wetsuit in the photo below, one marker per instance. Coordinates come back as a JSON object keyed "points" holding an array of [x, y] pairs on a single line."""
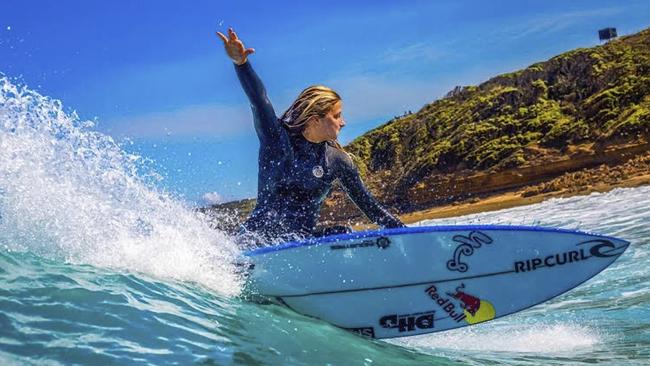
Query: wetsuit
{"points": [[296, 175]]}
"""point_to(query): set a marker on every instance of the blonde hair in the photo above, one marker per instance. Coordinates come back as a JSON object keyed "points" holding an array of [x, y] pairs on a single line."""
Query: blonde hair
{"points": [[314, 101]]}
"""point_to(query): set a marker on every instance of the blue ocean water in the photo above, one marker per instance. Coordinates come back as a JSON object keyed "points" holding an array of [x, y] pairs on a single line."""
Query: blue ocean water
{"points": [[98, 267]]}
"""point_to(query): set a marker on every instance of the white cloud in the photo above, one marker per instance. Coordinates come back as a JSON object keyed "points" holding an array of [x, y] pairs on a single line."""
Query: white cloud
{"points": [[553, 23], [212, 198], [421, 51], [194, 120]]}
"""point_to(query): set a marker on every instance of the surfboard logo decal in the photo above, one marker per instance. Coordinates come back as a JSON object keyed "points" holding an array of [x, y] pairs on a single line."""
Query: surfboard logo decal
{"points": [[604, 248], [382, 243], [472, 310], [474, 240], [476, 310], [408, 322], [600, 248]]}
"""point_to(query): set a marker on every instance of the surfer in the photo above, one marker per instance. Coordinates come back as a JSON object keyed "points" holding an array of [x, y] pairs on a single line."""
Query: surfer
{"points": [[299, 159]]}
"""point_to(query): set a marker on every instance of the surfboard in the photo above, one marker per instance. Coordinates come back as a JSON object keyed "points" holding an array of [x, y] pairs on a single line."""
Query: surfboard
{"points": [[408, 281]]}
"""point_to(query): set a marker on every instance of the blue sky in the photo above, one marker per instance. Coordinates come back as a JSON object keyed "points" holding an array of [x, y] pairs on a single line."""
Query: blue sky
{"points": [[154, 72]]}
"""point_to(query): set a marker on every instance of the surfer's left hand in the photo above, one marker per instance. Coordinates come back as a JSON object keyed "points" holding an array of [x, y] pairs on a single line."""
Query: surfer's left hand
{"points": [[235, 47]]}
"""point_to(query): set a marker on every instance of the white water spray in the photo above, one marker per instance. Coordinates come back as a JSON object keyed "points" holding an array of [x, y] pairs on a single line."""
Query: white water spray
{"points": [[549, 339], [71, 193]]}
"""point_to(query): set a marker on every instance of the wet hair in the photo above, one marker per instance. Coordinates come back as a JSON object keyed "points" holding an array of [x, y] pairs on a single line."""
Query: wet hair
{"points": [[314, 101]]}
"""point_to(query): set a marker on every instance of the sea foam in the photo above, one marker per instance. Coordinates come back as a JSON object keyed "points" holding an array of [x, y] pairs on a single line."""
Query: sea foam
{"points": [[71, 193]]}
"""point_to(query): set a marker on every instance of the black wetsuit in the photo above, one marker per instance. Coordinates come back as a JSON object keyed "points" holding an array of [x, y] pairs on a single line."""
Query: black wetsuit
{"points": [[296, 175]]}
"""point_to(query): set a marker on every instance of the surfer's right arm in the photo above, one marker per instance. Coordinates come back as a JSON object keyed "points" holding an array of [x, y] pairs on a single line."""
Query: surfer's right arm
{"points": [[266, 122]]}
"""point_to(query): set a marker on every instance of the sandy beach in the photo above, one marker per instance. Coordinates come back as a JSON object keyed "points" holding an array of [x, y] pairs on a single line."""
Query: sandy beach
{"points": [[514, 199], [634, 172]]}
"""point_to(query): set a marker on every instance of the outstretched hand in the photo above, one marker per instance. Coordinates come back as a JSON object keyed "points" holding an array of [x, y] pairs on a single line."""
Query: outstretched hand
{"points": [[234, 47]]}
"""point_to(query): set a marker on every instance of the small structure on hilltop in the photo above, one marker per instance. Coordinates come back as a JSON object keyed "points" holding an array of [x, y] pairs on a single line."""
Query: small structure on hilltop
{"points": [[607, 34]]}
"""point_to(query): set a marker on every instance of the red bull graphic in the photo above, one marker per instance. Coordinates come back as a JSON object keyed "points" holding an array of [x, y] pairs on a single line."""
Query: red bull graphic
{"points": [[469, 308], [468, 302], [445, 304]]}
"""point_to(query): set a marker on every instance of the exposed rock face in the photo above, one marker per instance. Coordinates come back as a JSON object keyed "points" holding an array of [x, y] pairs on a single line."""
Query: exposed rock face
{"points": [[573, 112], [452, 187]]}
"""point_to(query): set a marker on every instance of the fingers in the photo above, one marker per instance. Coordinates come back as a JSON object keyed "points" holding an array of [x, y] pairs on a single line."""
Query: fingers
{"points": [[232, 34], [249, 51], [223, 38]]}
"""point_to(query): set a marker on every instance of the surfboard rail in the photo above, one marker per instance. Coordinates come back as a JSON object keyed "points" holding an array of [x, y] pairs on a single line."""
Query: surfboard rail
{"points": [[411, 230]]}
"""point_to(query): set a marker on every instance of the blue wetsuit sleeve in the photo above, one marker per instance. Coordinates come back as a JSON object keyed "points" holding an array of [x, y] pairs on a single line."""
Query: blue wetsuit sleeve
{"points": [[267, 125], [357, 191]]}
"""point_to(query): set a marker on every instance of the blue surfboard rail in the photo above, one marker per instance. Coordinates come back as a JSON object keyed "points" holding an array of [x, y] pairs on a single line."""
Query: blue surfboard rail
{"points": [[412, 230]]}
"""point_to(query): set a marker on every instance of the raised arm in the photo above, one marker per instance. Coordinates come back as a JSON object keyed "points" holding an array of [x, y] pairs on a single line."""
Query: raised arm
{"points": [[357, 191], [266, 122]]}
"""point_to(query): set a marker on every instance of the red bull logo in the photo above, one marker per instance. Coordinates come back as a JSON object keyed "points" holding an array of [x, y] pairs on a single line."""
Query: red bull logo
{"points": [[469, 303], [472, 309], [445, 304]]}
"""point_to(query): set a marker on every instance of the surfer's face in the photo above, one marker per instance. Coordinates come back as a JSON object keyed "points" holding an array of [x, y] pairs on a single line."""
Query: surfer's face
{"points": [[330, 125]]}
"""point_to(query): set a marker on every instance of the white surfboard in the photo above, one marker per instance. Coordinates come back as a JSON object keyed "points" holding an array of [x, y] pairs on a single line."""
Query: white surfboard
{"points": [[403, 282]]}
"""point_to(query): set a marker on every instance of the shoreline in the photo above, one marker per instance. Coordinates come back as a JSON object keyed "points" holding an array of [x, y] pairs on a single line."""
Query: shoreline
{"points": [[581, 170], [513, 199], [626, 172]]}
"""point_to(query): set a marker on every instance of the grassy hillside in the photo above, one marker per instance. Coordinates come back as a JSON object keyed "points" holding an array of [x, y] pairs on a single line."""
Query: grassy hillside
{"points": [[596, 94]]}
